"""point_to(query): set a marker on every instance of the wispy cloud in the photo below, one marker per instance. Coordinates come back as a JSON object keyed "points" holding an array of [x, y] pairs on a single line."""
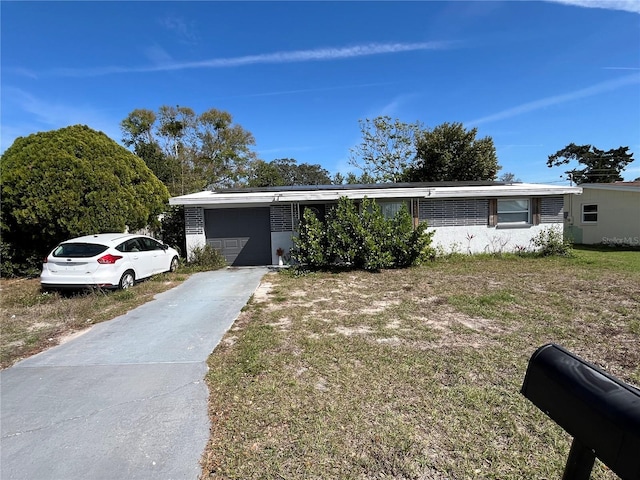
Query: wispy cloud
{"points": [[46, 115], [393, 107], [50, 114], [295, 56], [624, 5], [185, 31], [24, 72], [558, 99], [158, 55]]}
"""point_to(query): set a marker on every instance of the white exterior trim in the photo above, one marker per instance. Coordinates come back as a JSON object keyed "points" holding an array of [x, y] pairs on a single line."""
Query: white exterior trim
{"points": [[239, 199], [620, 187]]}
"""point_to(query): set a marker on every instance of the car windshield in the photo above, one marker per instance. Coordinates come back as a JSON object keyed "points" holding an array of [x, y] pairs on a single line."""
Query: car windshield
{"points": [[78, 250]]}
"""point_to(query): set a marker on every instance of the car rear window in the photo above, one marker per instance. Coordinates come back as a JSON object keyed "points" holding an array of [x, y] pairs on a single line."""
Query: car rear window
{"points": [[78, 250]]}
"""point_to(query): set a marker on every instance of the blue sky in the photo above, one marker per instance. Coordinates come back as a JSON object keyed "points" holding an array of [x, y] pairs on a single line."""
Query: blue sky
{"points": [[535, 76]]}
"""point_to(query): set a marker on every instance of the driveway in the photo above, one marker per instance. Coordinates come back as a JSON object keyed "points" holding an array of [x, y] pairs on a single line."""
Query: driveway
{"points": [[127, 399]]}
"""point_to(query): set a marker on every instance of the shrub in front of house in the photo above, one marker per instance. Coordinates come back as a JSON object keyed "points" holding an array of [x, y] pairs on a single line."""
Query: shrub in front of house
{"points": [[310, 246], [360, 237], [551, 242], [409, 245], [205, 258]]}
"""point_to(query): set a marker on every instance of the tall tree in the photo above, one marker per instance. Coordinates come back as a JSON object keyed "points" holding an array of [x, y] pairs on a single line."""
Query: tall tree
{"points": [[223, 149], [286, 171], [265, 174], [599, 166], [71, 182], [387, 148], [190, 152], [449, 152], [138, 132], [138, 127], [175, 130], [311, 174]]}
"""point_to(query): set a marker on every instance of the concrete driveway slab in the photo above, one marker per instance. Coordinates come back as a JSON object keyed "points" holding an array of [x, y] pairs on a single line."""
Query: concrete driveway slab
{"points": [[126, 400], [115, 421]]}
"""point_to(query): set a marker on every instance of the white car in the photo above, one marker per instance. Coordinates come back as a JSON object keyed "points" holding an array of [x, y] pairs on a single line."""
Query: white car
{"points": [[106, 260]]}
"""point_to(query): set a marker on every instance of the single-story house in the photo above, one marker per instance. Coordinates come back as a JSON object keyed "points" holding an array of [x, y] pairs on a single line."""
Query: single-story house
{"points": [[248, 225], [607, 213]]}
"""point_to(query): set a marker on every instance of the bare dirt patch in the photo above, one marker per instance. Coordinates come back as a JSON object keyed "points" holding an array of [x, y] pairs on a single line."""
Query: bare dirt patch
{"points": [[379, 306], [263, 291], [359, 330]]}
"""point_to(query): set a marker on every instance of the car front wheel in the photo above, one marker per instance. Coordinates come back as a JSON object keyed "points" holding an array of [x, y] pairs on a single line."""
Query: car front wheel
{"points": [[127, 280]]}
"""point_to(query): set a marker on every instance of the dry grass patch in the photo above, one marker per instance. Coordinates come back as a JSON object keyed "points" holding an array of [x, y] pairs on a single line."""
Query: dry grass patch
{"points": [[32, 321], [413, 374]]}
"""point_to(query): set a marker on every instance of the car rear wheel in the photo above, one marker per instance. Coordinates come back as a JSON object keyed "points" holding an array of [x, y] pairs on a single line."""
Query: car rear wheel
{"points": [[127, 280], [174, 264]]}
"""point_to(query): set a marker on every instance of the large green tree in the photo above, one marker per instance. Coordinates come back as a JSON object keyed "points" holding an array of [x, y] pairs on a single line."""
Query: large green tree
{"points": [[71, 182], [286, 171], [449, 152], [139, 132], [599, 166], [190, 152], [387, 148]]}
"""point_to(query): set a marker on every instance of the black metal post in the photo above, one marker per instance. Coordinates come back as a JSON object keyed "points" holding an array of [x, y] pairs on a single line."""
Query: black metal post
{"points": [[580, 462]]}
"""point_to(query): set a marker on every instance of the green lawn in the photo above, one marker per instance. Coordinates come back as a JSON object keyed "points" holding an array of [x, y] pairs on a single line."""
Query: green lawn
{"points": [[414, 373]]}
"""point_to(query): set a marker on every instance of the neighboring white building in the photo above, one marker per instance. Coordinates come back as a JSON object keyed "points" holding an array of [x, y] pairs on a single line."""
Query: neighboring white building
{"points": [[607, 213], [249, 225]]}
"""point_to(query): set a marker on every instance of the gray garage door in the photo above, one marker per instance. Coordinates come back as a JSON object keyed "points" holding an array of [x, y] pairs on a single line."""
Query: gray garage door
{"points": [[241, 234]]}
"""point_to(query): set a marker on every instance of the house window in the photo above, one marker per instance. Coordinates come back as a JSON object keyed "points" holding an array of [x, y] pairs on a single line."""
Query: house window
{"points": [[514, 211], [390, 209], [590, 213]]}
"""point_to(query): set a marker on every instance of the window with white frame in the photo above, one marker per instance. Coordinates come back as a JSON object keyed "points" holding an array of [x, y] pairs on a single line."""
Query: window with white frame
{"points": [[590, 213], [514, 211], [390, 209]]}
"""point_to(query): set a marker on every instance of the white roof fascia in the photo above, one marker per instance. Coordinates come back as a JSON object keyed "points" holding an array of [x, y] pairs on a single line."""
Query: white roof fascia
{"points": [[237, 199], [513, 190], [611, 186]]}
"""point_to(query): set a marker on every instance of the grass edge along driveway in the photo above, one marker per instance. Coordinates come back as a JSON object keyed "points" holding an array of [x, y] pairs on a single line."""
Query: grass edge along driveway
{"points": [[33, 321], [414, 373]]}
